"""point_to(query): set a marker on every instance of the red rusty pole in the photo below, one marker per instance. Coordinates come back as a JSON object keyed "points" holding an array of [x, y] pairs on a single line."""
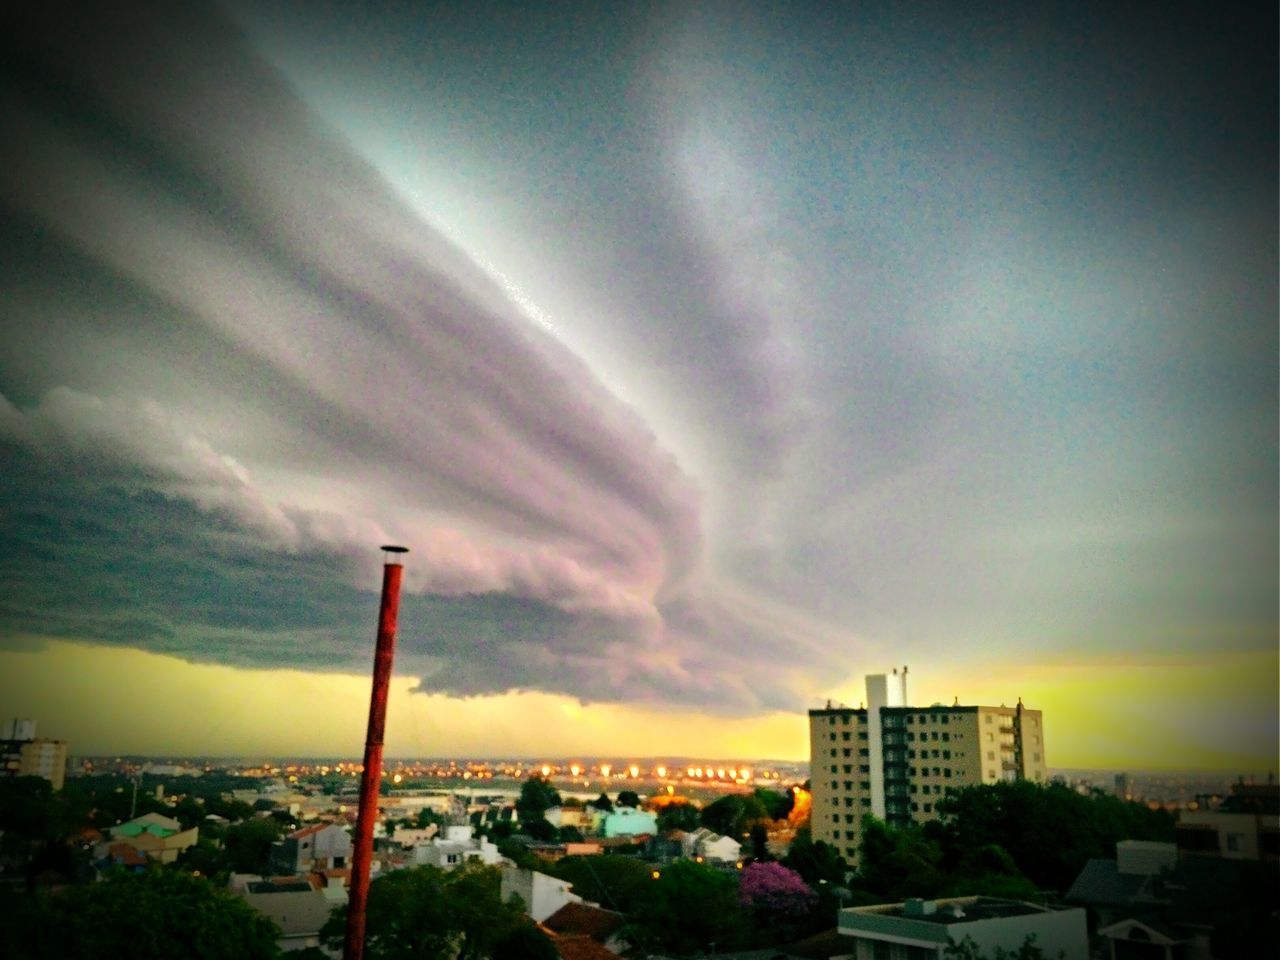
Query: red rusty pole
{"points": [[371, 777]]}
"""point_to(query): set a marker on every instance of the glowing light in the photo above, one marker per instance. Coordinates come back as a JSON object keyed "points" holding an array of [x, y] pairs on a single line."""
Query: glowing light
{"points": [[662, 771], [604, 769], [635, 771], [546, 771], [397, 778], [720, 773], [575, 770], [670, 790], [656, 874]]}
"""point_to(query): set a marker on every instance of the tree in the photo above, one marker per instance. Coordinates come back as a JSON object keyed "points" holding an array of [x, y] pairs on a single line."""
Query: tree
{"points": [[613, 882], [734, 814], [248, 844], [181, 916], [816, 862], [1049, 831], [603, 802], [898, 863], [537, 796], [777, 806], [525, 942], [770, 889], [679, 816], [760, 842], [689, 907], [967, 949], [427, 914]]}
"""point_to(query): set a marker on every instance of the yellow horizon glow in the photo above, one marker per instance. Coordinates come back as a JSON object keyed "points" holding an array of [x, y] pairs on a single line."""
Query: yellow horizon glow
{"points": [[1208, 712]]}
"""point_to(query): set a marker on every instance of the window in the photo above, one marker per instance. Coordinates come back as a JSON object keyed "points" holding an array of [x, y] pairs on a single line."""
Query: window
{"points": [[923, 718], [835, 785], [848, 801], [848, 818], [845, 735], [862, 735], [946, 737], [848, 784], [988, 718], [946, 772], [911, 754], [914, 806], [864, 752], [912, 737], [833, 768], [935, 735], [1035, 757], [946, 754], [848, 768], [911, 771], [928, 808], [832, 721], [937, 771], [991, 754], [945, 719], [912, 789], [833, 736], [847, 752], [866, 801], [833, 751], [866, 784], [991, 737], [845, 719], [864, 768]]}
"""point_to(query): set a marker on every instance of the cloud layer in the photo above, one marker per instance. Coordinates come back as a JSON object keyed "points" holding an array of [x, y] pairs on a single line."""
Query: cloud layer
{"points": [[368, 383]]}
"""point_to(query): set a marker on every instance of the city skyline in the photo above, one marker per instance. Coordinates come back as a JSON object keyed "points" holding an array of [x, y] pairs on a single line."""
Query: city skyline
{"points": [[706, 360]]}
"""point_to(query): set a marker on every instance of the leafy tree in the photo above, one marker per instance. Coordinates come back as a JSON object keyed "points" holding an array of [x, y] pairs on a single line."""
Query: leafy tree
{"points": [[628, 798], [537, 796], [772, 889], [776, 805], [679, 816], [248, 844], [426, 817], [688, 908], [525, 942], [540, 829], [153, 915], [613, 882], [1049, 831], [603, 802], [570, 834], [206, 858], [427, 914], [733, 815], [898, 863], [816, 862], [760, 842]]}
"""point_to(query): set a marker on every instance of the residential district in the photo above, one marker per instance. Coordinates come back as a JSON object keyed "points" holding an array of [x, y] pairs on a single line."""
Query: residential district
{"points": [[913, 832]]}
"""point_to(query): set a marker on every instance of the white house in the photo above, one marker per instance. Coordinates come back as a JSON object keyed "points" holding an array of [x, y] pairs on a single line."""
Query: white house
{"points": [[710, 845], [542, 895], [455, 848], [925, 928]]}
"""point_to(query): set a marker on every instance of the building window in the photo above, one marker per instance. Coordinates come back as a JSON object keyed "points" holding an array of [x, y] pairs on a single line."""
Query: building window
{"points": [[845, 719], [833, 736], [991, 754], [946, 737], [935, 735], [834, 785], [946, 754], [923, 718], [937, 771], [946, 772], [848, 784], [912, 789], [864, 752], [847, 752], [866, 801], [1035, 757], [833, 751], [945, 719], [862, 735], [911, 754], [928, 808], [866, 784], [988, 718], [845, 735], [914, 806], [848, 768], [833, 768]]}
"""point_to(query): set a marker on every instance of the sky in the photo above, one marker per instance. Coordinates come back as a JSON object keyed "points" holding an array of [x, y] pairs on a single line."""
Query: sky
{"points": [[707, 357]]}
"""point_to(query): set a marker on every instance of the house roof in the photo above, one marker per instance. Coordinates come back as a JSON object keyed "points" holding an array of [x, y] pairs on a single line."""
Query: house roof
{"points": [[1154, 930], [297, 913], [311, 830], [1101, 882], [579, 946], [820, 946], [595, 922], [127, 855]]}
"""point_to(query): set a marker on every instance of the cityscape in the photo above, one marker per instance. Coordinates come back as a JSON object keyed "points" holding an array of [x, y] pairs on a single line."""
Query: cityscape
{"points": [[613, 481]]}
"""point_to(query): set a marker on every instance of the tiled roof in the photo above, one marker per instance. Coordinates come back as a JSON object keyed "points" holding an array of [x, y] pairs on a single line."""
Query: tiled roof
{"points": [[310, 831], [595, 922], [578, 946]]}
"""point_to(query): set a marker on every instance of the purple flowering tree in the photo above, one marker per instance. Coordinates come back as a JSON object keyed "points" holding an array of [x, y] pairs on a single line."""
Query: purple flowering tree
{"points": [[775, 890]]}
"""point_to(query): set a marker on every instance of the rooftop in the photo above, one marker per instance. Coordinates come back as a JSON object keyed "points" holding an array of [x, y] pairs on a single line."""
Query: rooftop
{"points": [[954, 910]]}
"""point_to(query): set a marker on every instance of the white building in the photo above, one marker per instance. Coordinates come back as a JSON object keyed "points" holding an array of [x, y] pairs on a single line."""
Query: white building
{"points": [[542, 895], [709, 845], [897, 761], [455, 848], [924, 929]]}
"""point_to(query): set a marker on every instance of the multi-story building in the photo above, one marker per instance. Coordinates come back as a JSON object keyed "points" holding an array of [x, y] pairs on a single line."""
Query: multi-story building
{"points": [[897, 761], [22, 754]]}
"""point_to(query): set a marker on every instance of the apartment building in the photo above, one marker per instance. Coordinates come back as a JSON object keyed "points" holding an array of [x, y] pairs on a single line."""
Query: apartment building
{"points": [[897, 761]]}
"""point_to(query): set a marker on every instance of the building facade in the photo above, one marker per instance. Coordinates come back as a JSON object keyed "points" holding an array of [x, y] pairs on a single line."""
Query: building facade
{"points": [[897, 761]]}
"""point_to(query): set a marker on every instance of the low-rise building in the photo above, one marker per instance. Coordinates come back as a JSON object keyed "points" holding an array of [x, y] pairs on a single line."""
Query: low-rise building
{"points": [[160, 838], [541, 894], [710, 845], [924, 929], [318, 846], [455, 848], [1245, 826], [299, 911], [629, 822]]}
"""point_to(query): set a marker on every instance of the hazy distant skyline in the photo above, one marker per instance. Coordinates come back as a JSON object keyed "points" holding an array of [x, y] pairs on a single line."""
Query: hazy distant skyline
{"points": [[707, 358]]}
